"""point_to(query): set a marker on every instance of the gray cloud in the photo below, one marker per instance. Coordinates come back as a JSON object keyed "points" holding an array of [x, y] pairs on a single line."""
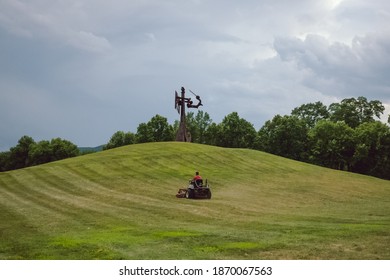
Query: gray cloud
{"points": [[339, 69], [83, 69]]}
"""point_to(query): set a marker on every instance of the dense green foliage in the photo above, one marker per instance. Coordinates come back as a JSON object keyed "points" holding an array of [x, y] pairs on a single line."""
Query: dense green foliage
{"points": [[121, 204], [346, 136], [119, 139], [198, 125], [331, 144], [355, 112], [232, 132], [156, 130], [284, 136], [311, 113], [235, 132], [28, 153]]}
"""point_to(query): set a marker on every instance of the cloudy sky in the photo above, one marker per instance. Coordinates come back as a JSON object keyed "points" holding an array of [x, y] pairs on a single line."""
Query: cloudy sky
{"points": [[84, 69]]}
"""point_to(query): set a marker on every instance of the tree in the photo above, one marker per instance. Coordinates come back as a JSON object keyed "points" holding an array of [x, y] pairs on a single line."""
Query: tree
{"points": [[356, 111], [197, 125], [332, 144], [4, 161], [372, 155], [203, 122], [119, 139], [144, 133], [27, 153], [211, 135], [284, 136], [311, 113], [156, 130], [19, 153], [41, 152], [63, 149], [160, 128], [57, 149], [235, 132]]}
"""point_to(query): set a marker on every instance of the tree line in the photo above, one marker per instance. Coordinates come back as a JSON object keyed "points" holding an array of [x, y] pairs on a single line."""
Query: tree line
{"points": [[28, 153], [233, 132], [346, 136]]}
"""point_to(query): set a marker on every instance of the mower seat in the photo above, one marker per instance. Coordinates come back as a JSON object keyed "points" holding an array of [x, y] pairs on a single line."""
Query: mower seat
{"points": [[198, 183]]}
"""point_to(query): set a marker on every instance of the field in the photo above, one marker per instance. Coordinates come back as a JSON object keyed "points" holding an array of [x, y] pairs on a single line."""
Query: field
{"points": [[121, 204]]}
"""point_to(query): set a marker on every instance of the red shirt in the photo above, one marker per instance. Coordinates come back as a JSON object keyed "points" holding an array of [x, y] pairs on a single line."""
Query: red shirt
{"points": [[197, 177]]}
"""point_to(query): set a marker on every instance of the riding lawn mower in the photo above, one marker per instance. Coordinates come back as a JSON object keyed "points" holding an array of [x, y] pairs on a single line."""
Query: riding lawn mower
{"points": [[195, 189]]}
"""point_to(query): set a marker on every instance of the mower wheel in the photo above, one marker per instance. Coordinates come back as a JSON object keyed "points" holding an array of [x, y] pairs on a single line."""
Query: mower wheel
{"points": [[209, 194], [190, 193]]}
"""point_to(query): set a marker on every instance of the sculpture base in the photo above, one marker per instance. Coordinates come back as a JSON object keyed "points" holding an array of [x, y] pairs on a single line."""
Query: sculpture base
{"points": [[182, 134]]}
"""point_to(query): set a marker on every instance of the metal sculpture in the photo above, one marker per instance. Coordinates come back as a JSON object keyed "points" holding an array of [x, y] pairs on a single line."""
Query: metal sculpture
{"points": [[180, 103]]}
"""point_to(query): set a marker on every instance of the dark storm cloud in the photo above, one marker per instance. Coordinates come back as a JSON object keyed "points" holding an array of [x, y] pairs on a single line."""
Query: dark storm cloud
{"points": [[83, 69]]}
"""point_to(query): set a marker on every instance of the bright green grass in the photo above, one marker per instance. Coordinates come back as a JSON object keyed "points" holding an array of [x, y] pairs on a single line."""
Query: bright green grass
{"points": [[121, 204]]}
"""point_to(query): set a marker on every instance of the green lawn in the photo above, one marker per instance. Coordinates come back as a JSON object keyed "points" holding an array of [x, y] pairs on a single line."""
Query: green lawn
{"points": [[121, 204]]}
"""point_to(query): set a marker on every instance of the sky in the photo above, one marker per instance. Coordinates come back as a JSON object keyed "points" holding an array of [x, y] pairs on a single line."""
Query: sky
{"points": [[83, 69]]}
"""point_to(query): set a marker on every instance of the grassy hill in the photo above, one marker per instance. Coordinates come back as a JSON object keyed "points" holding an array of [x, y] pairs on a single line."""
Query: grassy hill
{"points": [[121, 204]]}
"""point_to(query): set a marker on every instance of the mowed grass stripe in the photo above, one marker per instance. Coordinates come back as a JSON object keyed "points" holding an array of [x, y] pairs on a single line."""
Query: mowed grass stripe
{"points": [[48, 200], [124, 194], [30, 204], [50, 203], [104, 199]]}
